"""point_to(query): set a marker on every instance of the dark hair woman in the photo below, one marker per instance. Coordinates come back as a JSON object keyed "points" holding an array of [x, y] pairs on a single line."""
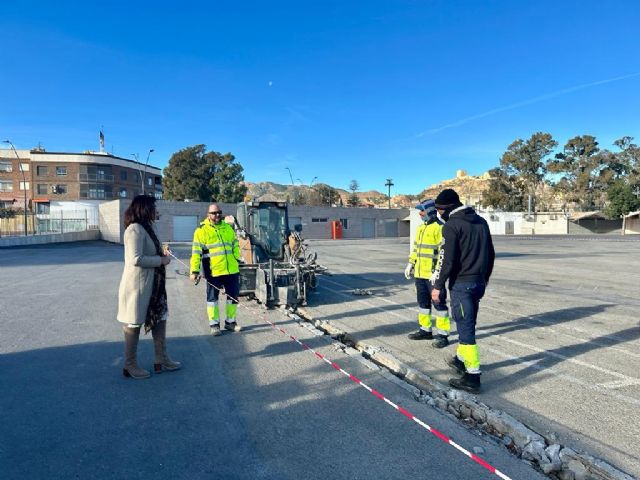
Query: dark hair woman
{"points": [[142, 297]]}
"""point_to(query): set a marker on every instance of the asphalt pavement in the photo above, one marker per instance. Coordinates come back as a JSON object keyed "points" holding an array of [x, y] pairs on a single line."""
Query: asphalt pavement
{"points": [[248, 405], [558, 330]]}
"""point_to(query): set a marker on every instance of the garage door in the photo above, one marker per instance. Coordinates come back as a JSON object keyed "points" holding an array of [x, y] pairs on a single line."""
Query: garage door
{"points": [[368, 228], [183, 227], [391, 227]]}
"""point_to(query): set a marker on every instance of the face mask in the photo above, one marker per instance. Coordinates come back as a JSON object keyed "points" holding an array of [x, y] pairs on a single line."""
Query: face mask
{"points": [[447, 211]]}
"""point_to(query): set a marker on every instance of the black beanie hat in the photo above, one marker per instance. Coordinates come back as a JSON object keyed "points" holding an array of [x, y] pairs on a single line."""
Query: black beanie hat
{"points": [[447, 198]]}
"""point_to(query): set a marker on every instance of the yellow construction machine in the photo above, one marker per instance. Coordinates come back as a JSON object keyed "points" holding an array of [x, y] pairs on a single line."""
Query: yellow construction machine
{"points": [[277, 268]]}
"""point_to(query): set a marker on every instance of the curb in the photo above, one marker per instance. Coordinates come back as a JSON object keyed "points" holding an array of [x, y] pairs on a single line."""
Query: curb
{"points": [[541, 451]]}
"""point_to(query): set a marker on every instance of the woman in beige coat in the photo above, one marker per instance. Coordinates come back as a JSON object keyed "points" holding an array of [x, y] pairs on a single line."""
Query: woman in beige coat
{"points": [[142, 297]]}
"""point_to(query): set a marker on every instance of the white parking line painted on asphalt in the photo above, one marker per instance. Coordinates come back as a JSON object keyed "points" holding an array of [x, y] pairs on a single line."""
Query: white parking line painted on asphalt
{"points": [[600, 388], [369, 304], [620, 383], [564, 358], [573, 328], [572, 335]]}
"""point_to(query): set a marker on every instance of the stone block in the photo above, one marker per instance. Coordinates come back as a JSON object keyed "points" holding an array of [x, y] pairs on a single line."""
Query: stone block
{"points": [[465, 411], [566, 475], [535, 451], [553, 452], [441, 404], [548, 468], [507, 425], [479, 414], [578, 469]]}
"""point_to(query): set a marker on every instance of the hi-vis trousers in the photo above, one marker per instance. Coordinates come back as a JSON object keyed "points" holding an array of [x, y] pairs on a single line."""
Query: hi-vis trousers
{"points": [[231, 285]]}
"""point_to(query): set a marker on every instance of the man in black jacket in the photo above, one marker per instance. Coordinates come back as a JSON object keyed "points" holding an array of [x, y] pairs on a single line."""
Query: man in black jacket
{"points": [[466, 261]]}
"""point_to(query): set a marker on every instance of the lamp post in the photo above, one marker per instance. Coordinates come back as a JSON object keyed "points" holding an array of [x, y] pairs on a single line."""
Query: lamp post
{"points": [[313, 199], [389, 184], [24, 184], [136, 157], [293, 187], [144, 177], [290, 174]]}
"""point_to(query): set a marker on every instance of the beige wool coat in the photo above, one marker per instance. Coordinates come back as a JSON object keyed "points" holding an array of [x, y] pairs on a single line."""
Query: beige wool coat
{"points": [[136, 284]]}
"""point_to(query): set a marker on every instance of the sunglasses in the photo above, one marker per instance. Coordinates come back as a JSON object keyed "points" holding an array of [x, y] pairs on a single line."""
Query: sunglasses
{"points": [[218, 212]]}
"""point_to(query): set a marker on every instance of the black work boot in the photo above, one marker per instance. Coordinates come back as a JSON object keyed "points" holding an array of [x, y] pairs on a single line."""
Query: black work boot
{"points": [[421, 335], [470, 382], [440, 341], [457, 364]]}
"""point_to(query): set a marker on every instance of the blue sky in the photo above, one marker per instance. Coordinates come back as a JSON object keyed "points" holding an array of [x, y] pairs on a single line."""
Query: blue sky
{"points": [[339, 90]]}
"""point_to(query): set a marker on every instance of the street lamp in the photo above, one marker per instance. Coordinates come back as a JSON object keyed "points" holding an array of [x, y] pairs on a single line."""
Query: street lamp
{"points": [[313, 192], [290, 175], [137, 159], [24, 183], [389, 184], [145, 168], [293, 186]]}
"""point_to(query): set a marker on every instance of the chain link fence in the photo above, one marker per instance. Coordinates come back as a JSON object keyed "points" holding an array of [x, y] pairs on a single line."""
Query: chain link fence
{"points": [[60, 221]]}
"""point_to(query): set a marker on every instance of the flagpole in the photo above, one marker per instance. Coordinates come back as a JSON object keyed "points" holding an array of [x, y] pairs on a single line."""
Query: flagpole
{"points": [[102, 139]]}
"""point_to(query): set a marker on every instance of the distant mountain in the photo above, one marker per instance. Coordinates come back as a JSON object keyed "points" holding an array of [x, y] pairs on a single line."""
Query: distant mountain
{"points": [[293, 193], [470, 189]]}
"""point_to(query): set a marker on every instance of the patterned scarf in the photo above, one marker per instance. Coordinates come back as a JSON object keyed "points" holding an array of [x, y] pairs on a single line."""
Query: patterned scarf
{"points": [[158, 309]]}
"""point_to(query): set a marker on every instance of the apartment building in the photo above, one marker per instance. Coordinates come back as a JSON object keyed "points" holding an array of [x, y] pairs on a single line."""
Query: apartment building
{"points": [[57, 178]]}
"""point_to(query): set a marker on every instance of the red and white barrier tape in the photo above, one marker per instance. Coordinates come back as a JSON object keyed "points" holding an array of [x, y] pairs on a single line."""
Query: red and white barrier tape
{"points": [[373, 391]]}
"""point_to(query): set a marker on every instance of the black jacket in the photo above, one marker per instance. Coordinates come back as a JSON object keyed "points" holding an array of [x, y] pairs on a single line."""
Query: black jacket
{"points": [[467, 253]]}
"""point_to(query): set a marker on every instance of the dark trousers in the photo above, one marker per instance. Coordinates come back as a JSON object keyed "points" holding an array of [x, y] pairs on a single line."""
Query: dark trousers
{"points": [[465, 301], [423, 291], [230, 283]]}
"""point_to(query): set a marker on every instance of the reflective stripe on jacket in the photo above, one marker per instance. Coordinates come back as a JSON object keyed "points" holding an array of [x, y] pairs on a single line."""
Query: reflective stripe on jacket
{"points": [[217, 247], [425, 248]]}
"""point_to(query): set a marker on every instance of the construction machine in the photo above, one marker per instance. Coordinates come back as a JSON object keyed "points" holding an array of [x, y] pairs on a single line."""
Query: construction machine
{"points": [[276, 269]]}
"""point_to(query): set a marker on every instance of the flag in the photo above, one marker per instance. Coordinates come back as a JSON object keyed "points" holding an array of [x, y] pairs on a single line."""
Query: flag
{"points": [[101, 139]]}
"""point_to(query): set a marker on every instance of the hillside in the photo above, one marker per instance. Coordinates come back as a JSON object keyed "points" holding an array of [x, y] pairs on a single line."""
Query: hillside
{"points": [[469, 188]]}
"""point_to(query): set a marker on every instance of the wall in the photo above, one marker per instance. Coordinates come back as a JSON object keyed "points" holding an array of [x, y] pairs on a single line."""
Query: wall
{"points": [[111, 214], [168, 209], [110, 217], [497, 222], [632, 224], [50, 238], [595, 225], [523, 224], [537, 224], [550, 224], [322, 230], [15, 177]]}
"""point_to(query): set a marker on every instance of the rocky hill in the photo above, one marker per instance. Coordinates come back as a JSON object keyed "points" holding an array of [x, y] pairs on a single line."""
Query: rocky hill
{"points": [[469, 188]]}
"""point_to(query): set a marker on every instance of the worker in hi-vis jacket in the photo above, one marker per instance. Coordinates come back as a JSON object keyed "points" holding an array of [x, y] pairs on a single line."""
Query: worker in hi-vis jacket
{"points": [[433, 322]]}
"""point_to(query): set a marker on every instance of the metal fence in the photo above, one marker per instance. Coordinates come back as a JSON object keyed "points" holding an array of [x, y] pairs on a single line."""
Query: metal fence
{"points": [[61, 221]]}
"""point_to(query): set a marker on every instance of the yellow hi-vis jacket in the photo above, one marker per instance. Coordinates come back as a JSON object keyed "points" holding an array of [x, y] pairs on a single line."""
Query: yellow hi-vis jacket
{"points": [[217, 247], [426, 248]]}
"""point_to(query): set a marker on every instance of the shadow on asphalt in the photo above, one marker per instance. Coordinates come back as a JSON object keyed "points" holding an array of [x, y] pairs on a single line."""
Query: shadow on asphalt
{"points": [[539, 320], [90, 252], [552, 357], [68, 412]]}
